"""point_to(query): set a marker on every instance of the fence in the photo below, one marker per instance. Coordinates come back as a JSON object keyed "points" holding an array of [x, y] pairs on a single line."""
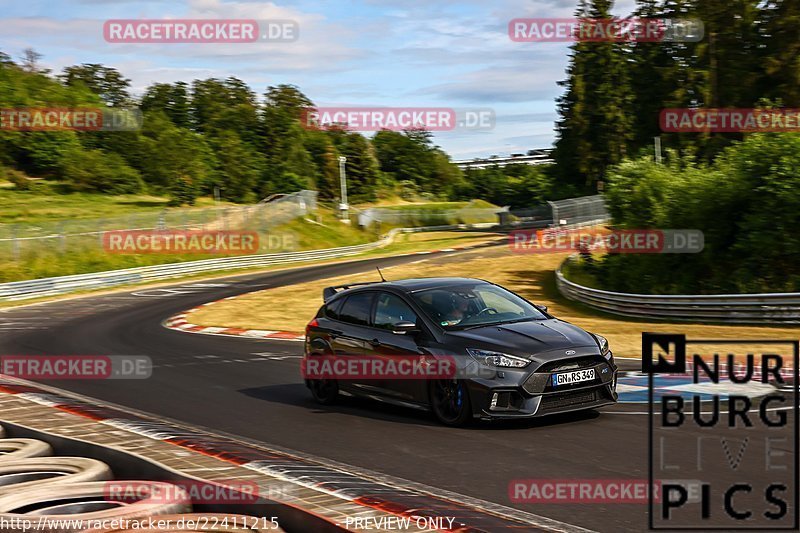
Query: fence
{"points": [[68, 235], [283, 208], [768, 308], [586, 210], [21, 290], [37, 288], [385, 217]]}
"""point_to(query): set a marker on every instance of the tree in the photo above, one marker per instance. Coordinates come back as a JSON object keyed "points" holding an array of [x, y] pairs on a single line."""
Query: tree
{"points": [[172, 99], [30, 60], [326, 159], [779, 53], [238, 167], [595, 127], [94, 170], [106, 82], [224, 105], [174, 160], [361, 167]]}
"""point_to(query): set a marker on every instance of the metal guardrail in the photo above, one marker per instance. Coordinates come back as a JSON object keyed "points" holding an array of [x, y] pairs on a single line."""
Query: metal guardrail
{"points": [[767, 308], [22, 290], [37, 288]]}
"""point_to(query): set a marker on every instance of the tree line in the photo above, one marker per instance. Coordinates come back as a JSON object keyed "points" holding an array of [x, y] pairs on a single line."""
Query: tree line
{"points": [[740, 189], [614, 91], [218, 134]]}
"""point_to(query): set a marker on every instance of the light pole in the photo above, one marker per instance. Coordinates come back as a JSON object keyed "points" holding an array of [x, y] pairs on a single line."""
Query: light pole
{"points": [[343, 184]]}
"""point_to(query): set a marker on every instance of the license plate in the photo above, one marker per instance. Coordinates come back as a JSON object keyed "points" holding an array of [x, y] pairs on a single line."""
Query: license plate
{"points": [[576, 376]]}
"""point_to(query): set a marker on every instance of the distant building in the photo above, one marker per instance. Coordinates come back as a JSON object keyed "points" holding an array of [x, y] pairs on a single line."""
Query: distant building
{"points": [[533, 157]]}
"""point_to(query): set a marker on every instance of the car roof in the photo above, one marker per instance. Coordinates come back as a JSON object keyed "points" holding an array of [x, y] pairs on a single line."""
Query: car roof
{"points": [[418, 284], [330, 294]]}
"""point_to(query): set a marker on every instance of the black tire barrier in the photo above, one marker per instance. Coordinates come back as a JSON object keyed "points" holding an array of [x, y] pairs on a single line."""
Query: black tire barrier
{"points": [[75, 507], [15, 449], [40, 472]]}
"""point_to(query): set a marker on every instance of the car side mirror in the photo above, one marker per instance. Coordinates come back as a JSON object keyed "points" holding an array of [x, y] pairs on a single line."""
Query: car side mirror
{"points": [[542, 308], [404, 328]]}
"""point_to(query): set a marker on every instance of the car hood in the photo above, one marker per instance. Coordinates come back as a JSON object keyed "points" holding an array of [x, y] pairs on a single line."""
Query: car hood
{"points": [[528, 338]]}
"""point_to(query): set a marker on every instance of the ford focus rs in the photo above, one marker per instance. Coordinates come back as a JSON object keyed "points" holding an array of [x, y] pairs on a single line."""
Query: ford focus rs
{"points": [[509, 358]]}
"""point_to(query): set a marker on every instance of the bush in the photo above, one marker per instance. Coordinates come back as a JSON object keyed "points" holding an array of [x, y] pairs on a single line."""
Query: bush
{"points": [[20, 180], [746, 204], [94, 170]]}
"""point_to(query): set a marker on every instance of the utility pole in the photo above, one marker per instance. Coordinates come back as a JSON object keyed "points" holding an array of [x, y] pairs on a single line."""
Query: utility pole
{"points": [[658, 149], [343, 184]]}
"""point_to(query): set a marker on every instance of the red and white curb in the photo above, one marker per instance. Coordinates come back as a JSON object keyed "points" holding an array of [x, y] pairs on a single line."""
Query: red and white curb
{"points": [[180, 322]]}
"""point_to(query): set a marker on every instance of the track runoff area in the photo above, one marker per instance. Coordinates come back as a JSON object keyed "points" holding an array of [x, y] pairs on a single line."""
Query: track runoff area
{"points": [[689, 446]]}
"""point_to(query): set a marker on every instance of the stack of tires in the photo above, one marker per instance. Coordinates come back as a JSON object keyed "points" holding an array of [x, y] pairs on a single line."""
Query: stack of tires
{"points": [[72, 493]]}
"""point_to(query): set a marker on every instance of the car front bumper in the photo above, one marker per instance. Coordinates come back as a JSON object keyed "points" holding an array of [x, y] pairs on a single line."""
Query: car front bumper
{"points": [[534, 395]]}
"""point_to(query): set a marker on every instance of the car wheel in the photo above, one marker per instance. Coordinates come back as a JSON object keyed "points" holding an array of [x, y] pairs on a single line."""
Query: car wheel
{"points": [[450, 401], [324, 391]]}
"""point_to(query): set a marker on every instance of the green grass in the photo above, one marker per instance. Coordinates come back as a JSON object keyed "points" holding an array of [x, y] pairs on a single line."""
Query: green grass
{"points": [[439, 206], [44, 259], [44, 211], [327, 232], [45, 203], [406, 243], [576, 272]]}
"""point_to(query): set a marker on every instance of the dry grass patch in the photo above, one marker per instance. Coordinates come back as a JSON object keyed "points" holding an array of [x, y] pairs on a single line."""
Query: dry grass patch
{"points": [[532, 276]]}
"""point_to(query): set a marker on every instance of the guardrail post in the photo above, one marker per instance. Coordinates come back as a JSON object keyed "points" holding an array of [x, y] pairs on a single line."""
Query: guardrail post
{"points": [[14, 242], [62, 240]]}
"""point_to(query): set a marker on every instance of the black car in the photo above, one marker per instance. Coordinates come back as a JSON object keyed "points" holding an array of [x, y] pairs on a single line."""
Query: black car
{"points": [[512, 359]]}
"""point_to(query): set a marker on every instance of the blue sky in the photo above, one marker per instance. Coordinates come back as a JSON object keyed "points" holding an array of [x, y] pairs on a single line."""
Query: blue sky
{"points": [[412, 53]]}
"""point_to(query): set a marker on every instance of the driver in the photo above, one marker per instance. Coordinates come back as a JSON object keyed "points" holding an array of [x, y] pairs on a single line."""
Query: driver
{"points": [[459, 311]]}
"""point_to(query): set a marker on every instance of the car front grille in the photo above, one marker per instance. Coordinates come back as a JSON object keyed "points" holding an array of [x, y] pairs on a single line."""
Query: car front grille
{"points": [[567, 399], [571, 364], [539, 381]]}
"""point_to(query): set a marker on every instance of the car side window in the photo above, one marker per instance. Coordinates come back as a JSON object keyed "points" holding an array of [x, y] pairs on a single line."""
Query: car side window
{"points": [[390, 310], [332, 309], [357, 309]]}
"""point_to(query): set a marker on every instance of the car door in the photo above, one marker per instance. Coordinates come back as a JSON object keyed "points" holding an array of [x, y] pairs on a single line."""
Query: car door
{"points": [[349, 334], [390, 309]]}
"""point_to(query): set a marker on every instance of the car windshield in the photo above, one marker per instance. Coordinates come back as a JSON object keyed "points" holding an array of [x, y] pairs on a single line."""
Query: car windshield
{"points": [[475, 305]]}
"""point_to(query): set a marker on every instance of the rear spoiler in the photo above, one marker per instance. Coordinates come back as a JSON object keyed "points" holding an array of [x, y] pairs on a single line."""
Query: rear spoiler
{"points": [[330, 292]]}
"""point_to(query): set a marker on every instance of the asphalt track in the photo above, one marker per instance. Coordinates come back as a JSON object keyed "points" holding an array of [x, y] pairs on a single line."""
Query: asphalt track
{"points": [[252, 388]]}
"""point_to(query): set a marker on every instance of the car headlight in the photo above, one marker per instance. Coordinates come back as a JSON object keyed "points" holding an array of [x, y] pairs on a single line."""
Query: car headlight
{"points": [[602, 342], [497, 359]]}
